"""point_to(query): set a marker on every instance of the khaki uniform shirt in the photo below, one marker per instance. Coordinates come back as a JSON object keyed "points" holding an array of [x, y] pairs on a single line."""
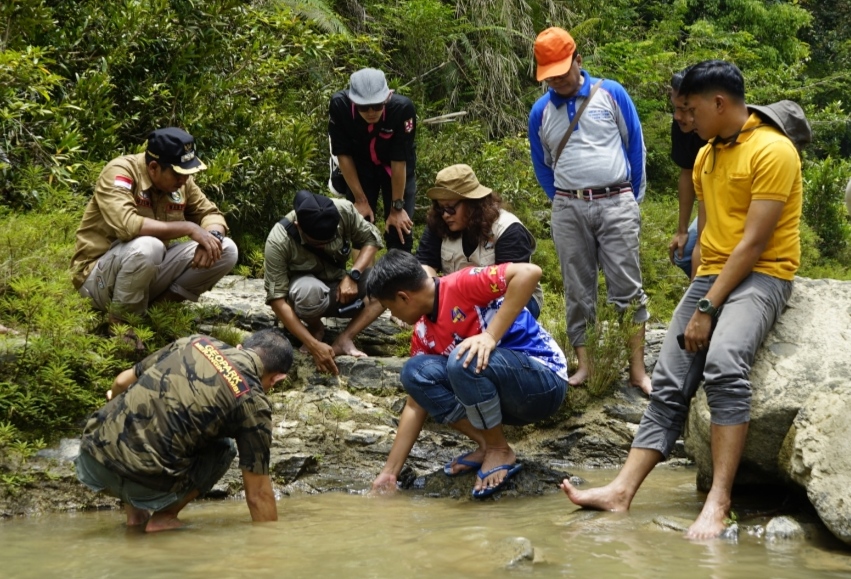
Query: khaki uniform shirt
{"points": [[123, 196], [196, 390], [287, 258]]}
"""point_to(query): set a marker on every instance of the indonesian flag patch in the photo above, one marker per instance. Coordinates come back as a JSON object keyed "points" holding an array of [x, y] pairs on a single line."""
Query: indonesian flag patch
{"points": [[123, 181]]}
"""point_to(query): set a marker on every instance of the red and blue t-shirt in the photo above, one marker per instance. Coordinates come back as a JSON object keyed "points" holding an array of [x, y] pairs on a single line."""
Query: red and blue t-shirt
{"points": [[465, 303]]}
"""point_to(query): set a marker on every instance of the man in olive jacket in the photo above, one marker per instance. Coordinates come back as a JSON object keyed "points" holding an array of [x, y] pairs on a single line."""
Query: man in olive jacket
{"points": [[123, 258]]}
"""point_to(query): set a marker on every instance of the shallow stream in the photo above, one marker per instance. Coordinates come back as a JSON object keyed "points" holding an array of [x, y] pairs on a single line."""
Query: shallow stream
{"points": [[352, 535]]}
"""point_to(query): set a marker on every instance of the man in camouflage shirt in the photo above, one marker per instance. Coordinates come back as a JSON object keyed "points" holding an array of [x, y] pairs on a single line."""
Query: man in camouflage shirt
{"points": [[123, 257], [166, 436]]}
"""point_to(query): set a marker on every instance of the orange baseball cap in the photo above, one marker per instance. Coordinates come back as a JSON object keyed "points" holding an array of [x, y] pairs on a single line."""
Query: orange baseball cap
{"points": [[554, 50]]}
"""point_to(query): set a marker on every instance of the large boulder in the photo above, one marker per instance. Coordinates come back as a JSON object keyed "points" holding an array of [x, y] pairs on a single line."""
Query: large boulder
{"points": [[817, 455], [805, 352]]}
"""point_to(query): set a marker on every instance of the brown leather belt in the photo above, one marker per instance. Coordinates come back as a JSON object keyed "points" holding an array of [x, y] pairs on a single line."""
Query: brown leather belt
{"points": [[600, 193]]}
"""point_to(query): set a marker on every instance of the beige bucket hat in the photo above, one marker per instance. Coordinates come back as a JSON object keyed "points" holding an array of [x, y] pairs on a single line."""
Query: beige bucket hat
{"points": [[457, 182]]}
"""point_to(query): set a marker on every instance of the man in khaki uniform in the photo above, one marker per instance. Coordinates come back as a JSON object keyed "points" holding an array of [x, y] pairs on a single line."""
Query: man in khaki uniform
{"points": [[166, 436], [123, 259], [306, 277]]}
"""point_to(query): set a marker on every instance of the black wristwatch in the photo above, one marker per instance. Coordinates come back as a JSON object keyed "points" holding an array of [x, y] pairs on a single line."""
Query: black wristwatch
{"points": [[704, 306], [354, 274], [398, 204], [217, 234]]}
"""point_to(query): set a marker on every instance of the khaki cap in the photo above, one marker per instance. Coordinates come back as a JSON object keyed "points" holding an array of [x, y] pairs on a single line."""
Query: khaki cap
{"points": [[457, 182]]}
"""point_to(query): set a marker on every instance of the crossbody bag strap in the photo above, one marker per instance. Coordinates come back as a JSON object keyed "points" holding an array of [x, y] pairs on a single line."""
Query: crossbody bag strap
{"points": [[575, 121]]}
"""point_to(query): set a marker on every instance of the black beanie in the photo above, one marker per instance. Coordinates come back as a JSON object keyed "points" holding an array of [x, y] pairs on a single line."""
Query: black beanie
{"points": [[316, 215]]}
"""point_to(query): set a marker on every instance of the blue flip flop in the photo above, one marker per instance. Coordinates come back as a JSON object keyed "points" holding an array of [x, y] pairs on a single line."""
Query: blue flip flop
{"points": [[488, 491], [462, 460]]}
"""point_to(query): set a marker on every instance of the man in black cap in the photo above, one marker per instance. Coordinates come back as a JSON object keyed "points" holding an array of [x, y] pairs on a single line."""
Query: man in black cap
{"points": [[373, 134], [306, 277], [123, 259]]}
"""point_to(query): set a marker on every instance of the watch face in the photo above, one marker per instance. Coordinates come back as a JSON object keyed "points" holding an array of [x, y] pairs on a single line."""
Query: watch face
{"points": [[355, 275], [399, 204]]}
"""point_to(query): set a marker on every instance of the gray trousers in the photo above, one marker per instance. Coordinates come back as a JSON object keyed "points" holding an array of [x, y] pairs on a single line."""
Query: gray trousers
{"points": [[590, 235], [746, 317], [311, 298], [131, 274]]}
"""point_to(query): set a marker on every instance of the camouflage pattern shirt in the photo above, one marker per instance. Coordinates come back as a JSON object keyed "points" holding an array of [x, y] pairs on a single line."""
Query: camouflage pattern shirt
{"points": [[194, 391]]}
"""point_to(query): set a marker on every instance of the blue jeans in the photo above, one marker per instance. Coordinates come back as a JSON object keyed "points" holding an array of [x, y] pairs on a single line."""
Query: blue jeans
{"points": [[513, 389], [685, 263]]}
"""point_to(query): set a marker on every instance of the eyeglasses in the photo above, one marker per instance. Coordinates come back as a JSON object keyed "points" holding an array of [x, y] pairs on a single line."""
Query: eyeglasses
{"points": [[366, 108], [448, 209]]}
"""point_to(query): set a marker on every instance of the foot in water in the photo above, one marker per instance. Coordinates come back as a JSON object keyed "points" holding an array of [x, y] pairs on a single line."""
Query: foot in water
{"points": [[162, 522], [607, 498], [711, 522], [345, 347]]}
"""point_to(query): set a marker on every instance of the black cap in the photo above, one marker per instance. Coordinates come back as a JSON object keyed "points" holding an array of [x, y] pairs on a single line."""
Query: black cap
{"points": [[175, 147], [316, 215]]}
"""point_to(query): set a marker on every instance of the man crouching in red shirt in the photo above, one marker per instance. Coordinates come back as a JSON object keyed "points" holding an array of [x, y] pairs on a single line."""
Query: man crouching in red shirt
{"points": [[478, 360]]}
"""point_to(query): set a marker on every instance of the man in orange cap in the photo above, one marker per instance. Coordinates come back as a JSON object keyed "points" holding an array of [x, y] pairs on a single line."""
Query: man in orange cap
{"points": [[595, 181]]}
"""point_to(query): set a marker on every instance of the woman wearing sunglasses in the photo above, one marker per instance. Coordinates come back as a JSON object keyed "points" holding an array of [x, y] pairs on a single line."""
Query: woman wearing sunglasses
{"points": [[468, 228]]}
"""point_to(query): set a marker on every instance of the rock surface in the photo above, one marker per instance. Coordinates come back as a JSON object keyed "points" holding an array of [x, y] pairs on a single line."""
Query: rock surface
{"points": [[806, 351], [817, 456]]}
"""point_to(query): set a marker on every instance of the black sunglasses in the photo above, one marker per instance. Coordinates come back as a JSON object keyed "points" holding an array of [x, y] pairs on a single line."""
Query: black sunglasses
{"points": [[448, 209], [366, 108]]}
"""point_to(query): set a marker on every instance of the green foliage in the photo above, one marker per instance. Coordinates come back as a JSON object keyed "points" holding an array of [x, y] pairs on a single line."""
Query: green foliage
{"points": [[606, 340], [824, 204]]}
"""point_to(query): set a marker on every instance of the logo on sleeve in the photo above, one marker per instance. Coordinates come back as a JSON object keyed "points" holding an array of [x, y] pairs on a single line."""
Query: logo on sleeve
{"points": [[494, 288], [409, 125], [238, 385]]}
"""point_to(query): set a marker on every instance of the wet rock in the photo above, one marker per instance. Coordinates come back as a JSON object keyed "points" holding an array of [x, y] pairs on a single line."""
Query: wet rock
{"points": [[67, 450], [289, 469], [534, 478], [516, 551], [784, 529], [817, 455], [678, 524], [806, 351]]}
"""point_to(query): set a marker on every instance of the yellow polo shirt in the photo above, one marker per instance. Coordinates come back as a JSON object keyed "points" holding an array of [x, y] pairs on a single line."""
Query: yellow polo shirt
{"points": [[761, 164]]}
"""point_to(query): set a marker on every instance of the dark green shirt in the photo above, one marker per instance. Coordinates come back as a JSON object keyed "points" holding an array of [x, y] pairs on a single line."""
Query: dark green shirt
{"points": [[194, 391]]}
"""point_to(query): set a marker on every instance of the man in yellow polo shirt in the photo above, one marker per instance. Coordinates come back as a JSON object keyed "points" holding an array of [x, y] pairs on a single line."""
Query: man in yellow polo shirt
{"points": [[748, 186]]}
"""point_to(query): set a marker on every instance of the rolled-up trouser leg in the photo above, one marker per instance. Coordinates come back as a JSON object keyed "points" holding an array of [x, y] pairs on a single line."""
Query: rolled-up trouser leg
{"points": [[425, 379], [513, 389], [176, 273], [675, 379], [123, 275]]}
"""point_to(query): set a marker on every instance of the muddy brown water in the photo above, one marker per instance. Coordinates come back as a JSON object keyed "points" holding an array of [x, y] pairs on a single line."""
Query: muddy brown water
{"points": [[406, 535]]}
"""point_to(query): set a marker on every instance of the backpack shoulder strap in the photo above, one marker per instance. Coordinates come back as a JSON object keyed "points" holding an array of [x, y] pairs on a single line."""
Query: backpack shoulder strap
{"points": [[575, 121]]}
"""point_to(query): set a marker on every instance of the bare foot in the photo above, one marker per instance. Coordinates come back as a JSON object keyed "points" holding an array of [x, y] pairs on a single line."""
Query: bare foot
{"points": [[578, 377], [345, 347], [710, 523], [607, 498], [477, 455], [494, 457], [136, 517], [641, 381], [162, 522]]}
